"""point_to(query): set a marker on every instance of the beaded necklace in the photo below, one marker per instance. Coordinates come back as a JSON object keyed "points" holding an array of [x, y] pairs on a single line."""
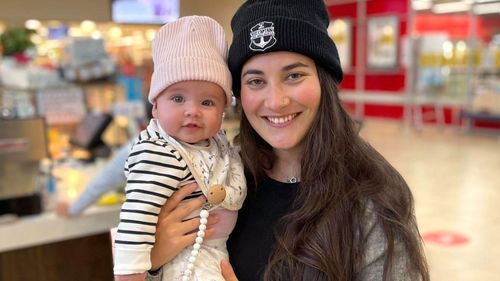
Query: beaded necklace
{"points": [[215, 196]]}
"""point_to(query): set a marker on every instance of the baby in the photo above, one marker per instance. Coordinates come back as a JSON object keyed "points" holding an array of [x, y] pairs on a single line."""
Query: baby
{"points": [[184, 143]]}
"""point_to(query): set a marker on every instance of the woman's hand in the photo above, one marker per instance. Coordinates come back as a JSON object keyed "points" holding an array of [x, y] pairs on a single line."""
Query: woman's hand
{"points": [[173, 233], [227, 271]]}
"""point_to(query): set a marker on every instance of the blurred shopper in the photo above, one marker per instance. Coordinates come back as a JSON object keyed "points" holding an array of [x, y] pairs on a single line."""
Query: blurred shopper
{"points": [[109, 179]]}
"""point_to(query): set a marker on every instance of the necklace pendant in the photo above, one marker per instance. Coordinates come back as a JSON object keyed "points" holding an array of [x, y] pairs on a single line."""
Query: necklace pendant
{"points": [[291, 180]]}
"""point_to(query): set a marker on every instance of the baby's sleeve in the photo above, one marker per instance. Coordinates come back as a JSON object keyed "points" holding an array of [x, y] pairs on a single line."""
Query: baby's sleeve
{"points": [[153, 174]]}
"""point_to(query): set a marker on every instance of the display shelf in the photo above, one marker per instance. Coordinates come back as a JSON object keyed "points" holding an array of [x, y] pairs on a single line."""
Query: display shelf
{"points": [[412, 103], [472, 117], [484, 103], [482, 116]]}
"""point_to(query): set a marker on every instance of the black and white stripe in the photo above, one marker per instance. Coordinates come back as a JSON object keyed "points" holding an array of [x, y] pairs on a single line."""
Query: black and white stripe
{"points": [[154, 172]]}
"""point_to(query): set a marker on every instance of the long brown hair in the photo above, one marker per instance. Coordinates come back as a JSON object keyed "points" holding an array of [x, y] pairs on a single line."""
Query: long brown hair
{"points": [[321, 238]]}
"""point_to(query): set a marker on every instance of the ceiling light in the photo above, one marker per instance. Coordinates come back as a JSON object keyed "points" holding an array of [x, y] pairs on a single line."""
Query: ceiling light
{"points": [[32, 24], [486, 1], [490, 8], [421, 5], [451, 7]]}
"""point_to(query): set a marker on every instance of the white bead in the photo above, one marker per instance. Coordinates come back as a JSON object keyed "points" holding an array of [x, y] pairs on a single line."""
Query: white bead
{"points": [[199, 240], [185, 278], [192, 259], [187, 272], [204, 214], [203, 221], [200, 233], [194, 252], [202, 227], [190, 266], [196, 246]]}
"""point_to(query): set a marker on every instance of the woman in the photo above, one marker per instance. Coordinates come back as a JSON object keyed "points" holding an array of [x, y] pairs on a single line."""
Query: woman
{"points": [[322, 204]]}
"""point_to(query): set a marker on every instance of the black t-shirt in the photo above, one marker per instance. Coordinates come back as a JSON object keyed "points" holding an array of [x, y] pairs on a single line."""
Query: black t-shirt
{"points": [[252, 241]]}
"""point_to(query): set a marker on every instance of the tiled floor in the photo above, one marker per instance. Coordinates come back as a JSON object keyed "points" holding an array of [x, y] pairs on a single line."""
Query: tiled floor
{"points": [[455, 179]]}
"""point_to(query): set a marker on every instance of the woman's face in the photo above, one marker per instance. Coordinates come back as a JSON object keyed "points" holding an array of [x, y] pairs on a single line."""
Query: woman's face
{"points": [[280, 95]]}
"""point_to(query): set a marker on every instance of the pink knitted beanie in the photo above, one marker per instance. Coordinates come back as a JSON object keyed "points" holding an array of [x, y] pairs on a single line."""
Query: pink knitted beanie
{"points": [[190, 48]]}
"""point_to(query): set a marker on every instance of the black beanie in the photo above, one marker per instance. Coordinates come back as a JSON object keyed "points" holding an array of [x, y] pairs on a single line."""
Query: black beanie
{"points": [[300, 26]]}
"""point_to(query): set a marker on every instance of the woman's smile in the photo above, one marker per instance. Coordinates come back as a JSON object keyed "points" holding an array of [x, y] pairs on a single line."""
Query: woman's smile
{"points": [[281, 120]]}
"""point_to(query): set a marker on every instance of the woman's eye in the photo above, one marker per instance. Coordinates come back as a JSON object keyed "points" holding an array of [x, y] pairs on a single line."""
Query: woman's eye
{"points": [[255, 82], [177, 99], [295, 76], [207, 103]]}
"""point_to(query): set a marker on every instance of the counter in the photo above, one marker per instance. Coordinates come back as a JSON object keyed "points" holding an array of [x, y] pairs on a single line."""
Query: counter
{"points": [[48, 227], [48, 247]]}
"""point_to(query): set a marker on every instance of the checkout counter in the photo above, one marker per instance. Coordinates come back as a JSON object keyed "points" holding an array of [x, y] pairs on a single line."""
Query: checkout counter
{"points": [[52, 248], [35, 243]]}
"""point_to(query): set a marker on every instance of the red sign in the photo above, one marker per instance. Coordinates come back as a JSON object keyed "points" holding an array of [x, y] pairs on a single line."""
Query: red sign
{"points": [[446, 238], [13, 145]]}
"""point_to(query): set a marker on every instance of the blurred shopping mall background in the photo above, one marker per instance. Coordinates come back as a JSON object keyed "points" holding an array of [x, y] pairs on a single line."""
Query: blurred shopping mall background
{"points": [[421, 76]]}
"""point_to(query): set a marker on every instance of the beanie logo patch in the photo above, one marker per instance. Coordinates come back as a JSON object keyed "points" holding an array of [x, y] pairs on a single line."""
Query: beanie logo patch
{"points": [[262, 36]]}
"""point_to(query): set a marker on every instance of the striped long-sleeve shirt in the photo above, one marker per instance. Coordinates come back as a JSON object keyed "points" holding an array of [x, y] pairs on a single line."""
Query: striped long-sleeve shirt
{"points": [[156, 167], [154, 171]]}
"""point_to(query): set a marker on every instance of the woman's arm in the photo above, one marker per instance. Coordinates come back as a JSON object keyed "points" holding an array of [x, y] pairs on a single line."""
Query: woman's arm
{"points": [[173, 233], [375, 254]]}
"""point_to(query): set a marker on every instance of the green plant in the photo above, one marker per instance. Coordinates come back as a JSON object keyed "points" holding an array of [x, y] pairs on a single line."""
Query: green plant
{"points": [[16, 40]]}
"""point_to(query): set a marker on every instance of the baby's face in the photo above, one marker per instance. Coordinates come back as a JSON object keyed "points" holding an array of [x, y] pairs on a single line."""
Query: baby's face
{"points": [[190, 111]]}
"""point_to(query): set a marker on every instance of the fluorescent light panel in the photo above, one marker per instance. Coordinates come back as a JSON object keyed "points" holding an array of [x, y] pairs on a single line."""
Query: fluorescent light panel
{"points": [[452, 7], [421, 5], [485, 1], [490, 8]]}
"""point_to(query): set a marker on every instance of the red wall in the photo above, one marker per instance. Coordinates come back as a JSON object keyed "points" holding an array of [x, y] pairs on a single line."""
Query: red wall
{"points": [[393, 80], [347, 11], [457, 26]]}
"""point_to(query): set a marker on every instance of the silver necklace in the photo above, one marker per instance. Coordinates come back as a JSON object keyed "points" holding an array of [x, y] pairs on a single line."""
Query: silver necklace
{"points": [[288, 179]]}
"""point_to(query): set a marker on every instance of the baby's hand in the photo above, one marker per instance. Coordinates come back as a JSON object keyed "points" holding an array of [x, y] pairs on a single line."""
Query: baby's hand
{"points": [[131, 277], [227, 271]]}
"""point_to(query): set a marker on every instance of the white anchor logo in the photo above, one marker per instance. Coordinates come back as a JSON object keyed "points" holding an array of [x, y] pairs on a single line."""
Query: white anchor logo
{"points": [[262, 36]]}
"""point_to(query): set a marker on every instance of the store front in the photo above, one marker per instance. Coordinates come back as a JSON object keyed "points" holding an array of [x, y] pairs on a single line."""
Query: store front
{"points": [[421, 61]]}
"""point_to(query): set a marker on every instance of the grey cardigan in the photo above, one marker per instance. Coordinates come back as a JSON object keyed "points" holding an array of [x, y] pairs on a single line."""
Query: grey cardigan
{"points": [[374, 257]]}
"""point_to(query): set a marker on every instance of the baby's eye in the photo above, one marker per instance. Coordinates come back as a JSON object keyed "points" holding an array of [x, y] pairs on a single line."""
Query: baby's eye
{"points": [[207, 103], [177, 99]]}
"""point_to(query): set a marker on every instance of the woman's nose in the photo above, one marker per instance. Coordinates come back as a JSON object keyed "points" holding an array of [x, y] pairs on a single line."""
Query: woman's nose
{"points": [[277, 98]]}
